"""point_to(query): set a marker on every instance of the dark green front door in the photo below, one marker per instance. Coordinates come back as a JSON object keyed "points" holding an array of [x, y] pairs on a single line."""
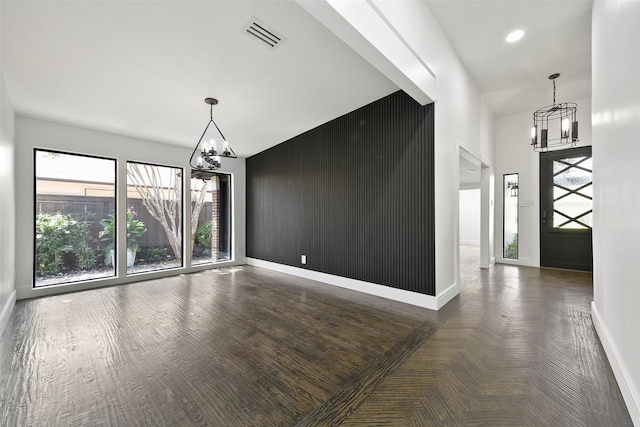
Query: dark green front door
{"points": [[566, 203]]}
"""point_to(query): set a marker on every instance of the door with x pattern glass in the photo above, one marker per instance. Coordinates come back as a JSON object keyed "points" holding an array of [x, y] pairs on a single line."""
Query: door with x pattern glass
{"points": [[566, 209]]}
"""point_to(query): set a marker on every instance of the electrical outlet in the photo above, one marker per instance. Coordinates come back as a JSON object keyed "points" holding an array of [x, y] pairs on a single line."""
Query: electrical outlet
{"points": [[303, 259]]}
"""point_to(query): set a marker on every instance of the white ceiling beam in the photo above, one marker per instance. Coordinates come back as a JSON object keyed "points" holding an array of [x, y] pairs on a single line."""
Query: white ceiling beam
{"points": [[373, 34]]}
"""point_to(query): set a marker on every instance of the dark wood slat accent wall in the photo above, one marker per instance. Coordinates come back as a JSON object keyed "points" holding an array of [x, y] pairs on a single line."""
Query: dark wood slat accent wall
{"points": [[355, 195]]}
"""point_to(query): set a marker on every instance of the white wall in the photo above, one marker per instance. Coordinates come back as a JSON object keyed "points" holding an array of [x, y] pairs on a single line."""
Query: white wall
{"points": [[616, 152], [7, 207], [34, 133], [487, 180], [514, 154], [470, 216]]}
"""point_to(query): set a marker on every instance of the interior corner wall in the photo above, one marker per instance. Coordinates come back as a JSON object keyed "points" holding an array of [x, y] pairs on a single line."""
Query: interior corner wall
{"points": [[487, 135], [461, 120], [487, 186], [515, 155], [355, 196], [32, 133], [616, 150], [7, 207]]}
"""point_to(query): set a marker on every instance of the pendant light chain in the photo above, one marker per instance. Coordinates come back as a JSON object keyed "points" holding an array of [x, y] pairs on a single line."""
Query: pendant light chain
{"points": [[214, 123]]}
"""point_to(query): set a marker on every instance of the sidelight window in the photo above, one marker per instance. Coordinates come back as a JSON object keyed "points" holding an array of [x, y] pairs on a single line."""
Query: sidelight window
{"points": [[510, 216]]}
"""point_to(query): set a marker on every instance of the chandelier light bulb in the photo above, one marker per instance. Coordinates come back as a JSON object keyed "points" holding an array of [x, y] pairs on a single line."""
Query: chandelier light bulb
{"points": [[534, 135], [565, 128]]}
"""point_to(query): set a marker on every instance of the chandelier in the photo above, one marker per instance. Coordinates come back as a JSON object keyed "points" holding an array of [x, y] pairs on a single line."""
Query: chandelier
{"points": [[205, 159], [555, 124]]}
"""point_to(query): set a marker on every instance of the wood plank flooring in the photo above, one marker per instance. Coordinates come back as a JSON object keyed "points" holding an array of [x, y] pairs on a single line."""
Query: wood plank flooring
{"points": [[245, 346]]}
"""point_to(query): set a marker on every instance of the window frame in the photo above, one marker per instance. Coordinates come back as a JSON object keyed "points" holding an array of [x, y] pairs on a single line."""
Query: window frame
{"points": [[228, 225], [183, 264], [35, 150]]}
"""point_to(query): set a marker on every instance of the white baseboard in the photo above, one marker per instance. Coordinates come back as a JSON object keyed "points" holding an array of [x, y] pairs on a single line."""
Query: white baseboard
{"points": [[470, 242], [6, 311], [627, 388], [408, 297], [447, 295], [527, 262]]}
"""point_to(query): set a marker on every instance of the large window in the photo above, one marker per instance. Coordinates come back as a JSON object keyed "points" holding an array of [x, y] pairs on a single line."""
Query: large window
{"points": [[74, 195], [76, 224], [211, 219], [154, 217], [510, 216]]}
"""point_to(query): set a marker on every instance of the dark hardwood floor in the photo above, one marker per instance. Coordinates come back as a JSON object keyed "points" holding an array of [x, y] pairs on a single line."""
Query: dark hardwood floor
{"points": [[245, 346]]}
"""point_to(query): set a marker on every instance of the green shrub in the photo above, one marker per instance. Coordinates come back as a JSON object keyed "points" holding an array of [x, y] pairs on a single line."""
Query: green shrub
{"points": [[135, 229], [82, 245], [154, 254], [51, 241], [58, 234], [511, 251], [203, 235]]}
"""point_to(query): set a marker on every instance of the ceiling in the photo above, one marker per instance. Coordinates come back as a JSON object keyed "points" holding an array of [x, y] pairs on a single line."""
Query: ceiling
{"points": [[513, 78], [143, 68]]}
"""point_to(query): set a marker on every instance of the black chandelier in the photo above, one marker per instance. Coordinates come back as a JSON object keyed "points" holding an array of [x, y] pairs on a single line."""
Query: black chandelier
{"points": [[212, 145], [555, 124]]}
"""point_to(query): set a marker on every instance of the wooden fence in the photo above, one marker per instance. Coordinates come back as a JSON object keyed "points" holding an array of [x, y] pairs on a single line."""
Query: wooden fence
{"points": [[94, 209]]}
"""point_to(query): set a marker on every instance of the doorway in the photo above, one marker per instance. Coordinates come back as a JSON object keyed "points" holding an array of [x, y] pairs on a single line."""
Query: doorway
{"points": [[566, 209], [469, 229]]}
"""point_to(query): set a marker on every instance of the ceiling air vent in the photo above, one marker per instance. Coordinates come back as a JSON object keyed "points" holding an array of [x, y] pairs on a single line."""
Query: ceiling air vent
{"points": [[260, 31]]}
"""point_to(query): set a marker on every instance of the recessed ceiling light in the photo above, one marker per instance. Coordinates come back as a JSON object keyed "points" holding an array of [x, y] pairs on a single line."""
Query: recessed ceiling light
{"points": [[514, 36]]}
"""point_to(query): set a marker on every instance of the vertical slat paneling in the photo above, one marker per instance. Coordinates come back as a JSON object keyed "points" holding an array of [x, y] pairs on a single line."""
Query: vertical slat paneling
{"points": [[355, 195]]}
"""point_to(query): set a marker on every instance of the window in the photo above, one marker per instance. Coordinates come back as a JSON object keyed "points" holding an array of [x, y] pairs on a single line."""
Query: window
{"points": [[76, 218], [74, 196], [211, 219], [573, 193], [154, 217], [510, 216]]}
